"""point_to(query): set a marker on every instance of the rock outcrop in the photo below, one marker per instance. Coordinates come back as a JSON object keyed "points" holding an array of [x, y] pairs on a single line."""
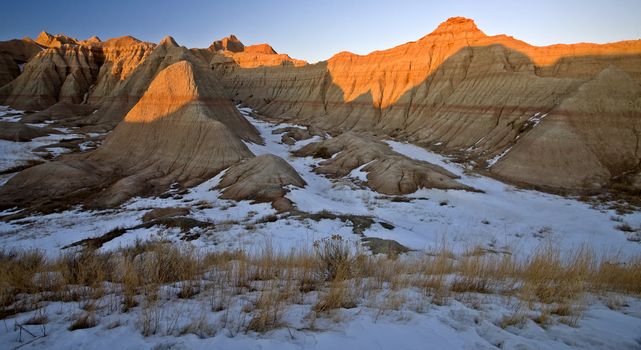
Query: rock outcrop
{"points": [[261, 179], [231, 51], [560, 117], [387, 171], [13, 55], [230, 43], [67, 70], [19, 132], [183, 130], [473, 96]]}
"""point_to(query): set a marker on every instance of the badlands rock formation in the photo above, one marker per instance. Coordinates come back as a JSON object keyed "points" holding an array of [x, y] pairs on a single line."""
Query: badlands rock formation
{"points": [[561, 117], [18, 132], [387, 171], [261, 179], [68, 70], [183, 130], [13, 55], [230, 51], [475, 96]]}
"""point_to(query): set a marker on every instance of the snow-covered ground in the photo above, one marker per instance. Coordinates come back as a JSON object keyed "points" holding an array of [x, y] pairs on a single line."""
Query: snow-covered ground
{"points": [[502, 217], [452, 326], [16, 154]]}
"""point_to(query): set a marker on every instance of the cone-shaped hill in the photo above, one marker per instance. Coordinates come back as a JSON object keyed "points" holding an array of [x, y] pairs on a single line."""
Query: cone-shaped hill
{"points": [[182, 130]]}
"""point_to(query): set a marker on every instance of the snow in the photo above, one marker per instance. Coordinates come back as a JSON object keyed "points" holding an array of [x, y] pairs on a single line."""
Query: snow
{"points": [[453, 326], [500, 217], [493, 161], [16, 154]]}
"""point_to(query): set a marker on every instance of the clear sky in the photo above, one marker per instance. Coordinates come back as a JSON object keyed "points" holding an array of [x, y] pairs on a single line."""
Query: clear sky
{"points": [[315, 30]]}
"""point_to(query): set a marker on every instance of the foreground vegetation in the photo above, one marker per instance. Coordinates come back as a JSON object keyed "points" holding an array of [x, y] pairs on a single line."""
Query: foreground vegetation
{"points": [[251, 291]]}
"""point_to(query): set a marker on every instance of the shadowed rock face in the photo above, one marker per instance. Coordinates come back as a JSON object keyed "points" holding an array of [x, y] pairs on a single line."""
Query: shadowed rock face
{"points": [[182, 130], [560, 117], [20, 132], [14, 53], [476, 97], [388, 172], [261, 179]]}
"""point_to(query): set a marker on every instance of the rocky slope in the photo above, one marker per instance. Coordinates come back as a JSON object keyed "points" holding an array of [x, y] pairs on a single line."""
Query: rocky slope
{"points": [[183, 130], [68, 70], [561, 117], [462, 92]]}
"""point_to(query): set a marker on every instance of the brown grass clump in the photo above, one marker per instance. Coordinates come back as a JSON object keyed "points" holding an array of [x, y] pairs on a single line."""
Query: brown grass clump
{"points": [[83, 320]]}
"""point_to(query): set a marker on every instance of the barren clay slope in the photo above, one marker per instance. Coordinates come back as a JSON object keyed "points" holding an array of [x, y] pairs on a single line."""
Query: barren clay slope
{"points": [[67, 70], [183, 130], [462, 92]]}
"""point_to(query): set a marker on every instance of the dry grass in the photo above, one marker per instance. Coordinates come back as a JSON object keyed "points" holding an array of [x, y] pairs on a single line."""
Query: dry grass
{"points": [[83, 320], [332, 274]]}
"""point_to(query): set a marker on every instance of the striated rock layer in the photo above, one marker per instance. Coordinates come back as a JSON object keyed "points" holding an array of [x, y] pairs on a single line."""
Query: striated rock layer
{"points": [[261, 179], [560, 117], [68, 70], [475, 96], [183, 130]]}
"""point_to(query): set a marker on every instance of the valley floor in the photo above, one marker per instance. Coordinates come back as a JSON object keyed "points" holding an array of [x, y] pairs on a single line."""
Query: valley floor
{"points": [[502, 219]]}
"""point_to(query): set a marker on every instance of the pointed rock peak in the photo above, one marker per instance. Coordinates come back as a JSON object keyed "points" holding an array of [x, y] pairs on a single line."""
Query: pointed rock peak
{"points": [[94, 39], [456, 28], [44, 35], [230, 43], [44, 38], [168, 41]]}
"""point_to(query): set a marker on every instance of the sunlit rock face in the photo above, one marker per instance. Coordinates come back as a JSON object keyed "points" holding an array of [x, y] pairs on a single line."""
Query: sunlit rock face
{"points": [[183, 130], [510, 107], [560, 117]]}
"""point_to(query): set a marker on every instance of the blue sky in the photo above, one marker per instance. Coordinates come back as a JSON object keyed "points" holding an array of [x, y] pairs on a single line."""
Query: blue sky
{"points": [[315, 30]]}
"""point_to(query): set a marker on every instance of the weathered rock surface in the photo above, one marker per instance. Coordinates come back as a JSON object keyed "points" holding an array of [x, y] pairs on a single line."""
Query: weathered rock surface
{"points": [[474, 96], [19, 132], [230, 51], [387, 171], [261, 179], [182, 130], [14, 54], [67, 70], [560, 117], [61, 111]]}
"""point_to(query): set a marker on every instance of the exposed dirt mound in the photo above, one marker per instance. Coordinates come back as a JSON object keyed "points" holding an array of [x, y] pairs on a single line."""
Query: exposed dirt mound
{"points": [[19, 132], [388, 172], [261, 179], [72, 114]]}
